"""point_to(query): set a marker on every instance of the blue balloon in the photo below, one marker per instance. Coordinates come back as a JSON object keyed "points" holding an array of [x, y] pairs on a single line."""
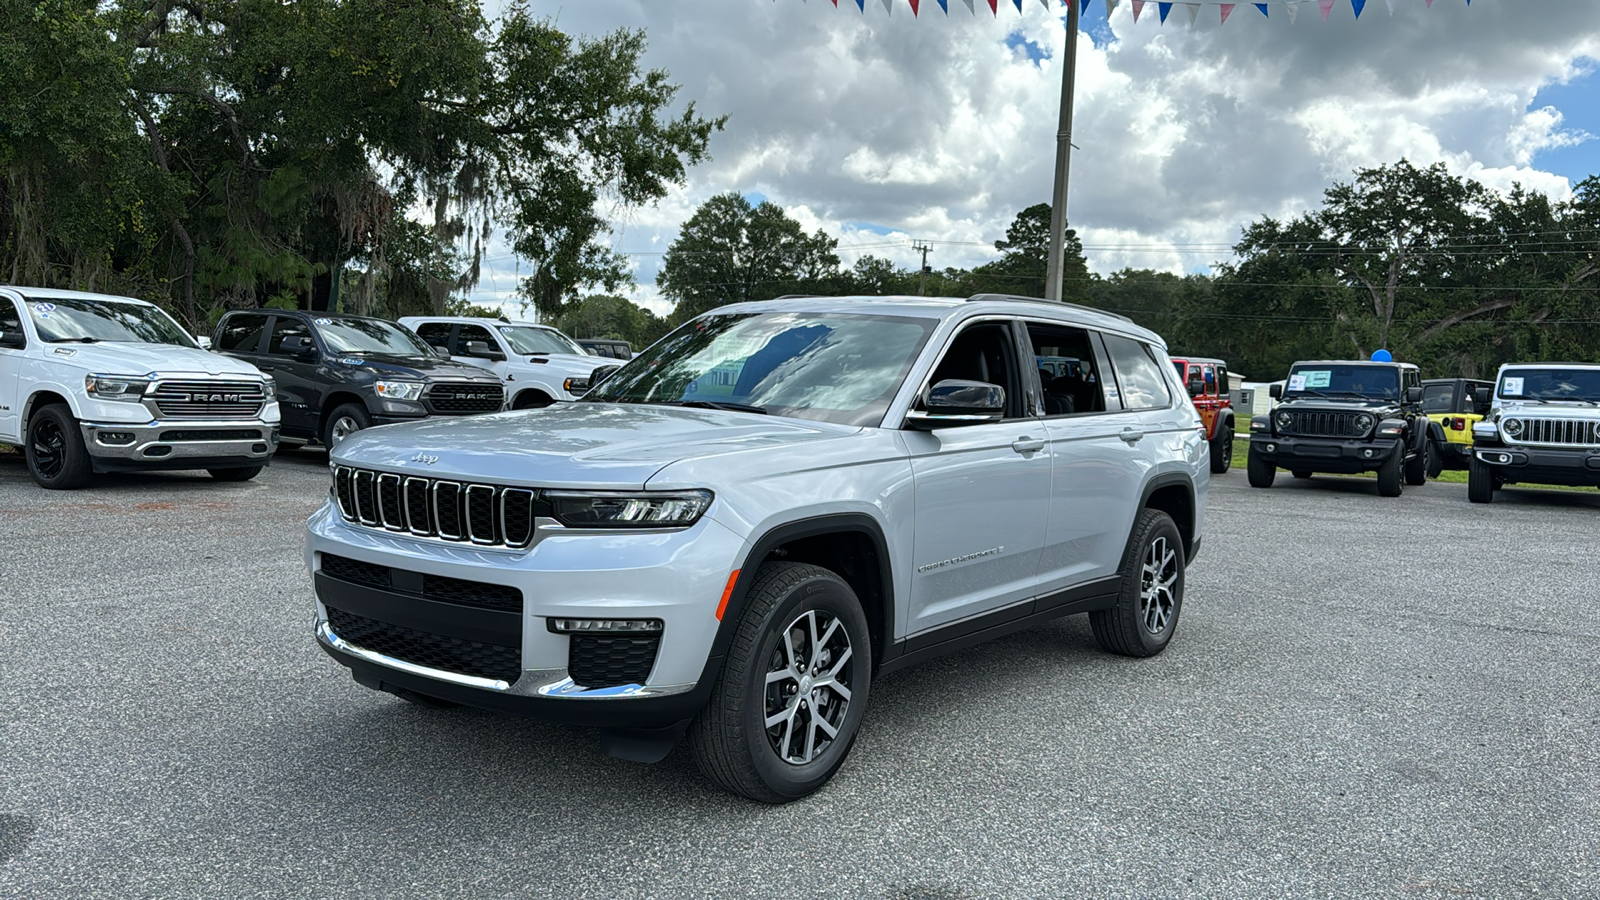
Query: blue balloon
{"points": [[1382, 356]]}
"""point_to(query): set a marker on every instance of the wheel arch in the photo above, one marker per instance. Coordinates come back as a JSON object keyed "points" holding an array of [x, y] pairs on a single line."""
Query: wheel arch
{"points": [[541, 389], [40, 398], [1173, 494], [335, 400]]}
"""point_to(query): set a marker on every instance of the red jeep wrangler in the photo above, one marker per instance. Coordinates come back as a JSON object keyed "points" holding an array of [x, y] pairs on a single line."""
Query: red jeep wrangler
{"points": [[1207, 380]]}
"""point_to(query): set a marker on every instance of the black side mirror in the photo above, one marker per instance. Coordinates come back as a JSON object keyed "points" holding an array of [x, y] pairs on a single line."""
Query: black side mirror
{"points": [[1275, 391], [482, 350], [1196, 387], [298, 346], [1414, 395], [16, 340], [440, 350], [958, 402]]}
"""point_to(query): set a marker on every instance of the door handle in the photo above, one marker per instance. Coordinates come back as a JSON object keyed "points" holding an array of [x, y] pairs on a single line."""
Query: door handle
{"points": [[1027, 444], [1131, 435]]}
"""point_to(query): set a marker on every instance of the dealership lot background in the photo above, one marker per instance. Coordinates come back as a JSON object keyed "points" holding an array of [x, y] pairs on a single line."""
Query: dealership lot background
{"points": [[1367, 698]]}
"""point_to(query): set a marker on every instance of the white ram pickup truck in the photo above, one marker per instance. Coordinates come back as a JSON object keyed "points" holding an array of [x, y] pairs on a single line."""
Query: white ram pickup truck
{"points": [[538, 364], [93, 383]]}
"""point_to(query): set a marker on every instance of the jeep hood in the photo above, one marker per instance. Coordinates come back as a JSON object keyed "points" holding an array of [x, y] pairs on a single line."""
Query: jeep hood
{"points": [[572, 445], [142, 359], [1343, 404]]}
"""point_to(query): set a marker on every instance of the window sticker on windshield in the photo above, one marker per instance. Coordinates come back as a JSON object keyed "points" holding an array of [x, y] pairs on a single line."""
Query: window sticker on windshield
{"points": [[324, 321], [505, 329], [45, 307], [1297, 382], [1512, 386], [1318, 378]]}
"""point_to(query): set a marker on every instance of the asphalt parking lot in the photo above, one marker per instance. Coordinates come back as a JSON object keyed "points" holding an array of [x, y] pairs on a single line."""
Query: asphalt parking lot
{"points": [[1365, 697]]}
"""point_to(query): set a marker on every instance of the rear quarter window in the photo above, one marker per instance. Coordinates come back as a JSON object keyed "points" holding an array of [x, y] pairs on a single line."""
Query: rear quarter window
{"points": [[1138, 373]]}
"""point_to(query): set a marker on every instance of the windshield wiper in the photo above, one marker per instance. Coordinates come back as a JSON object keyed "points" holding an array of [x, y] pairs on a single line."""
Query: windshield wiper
{"points": [[78, 340], [718, 404]]}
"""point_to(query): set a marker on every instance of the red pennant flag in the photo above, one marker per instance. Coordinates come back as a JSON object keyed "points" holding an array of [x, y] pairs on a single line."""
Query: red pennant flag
{"points": [[994, 7], [1326, 6], [913, 9], [1138, 7], [1227, 10]]}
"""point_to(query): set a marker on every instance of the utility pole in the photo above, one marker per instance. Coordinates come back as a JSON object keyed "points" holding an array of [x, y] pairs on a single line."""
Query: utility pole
{"points": [[1058, 201], [922, 274]]}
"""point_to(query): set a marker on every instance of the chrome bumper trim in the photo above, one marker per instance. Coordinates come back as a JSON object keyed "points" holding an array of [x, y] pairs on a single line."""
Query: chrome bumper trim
{"points": [[147, 435], [325, 635]]}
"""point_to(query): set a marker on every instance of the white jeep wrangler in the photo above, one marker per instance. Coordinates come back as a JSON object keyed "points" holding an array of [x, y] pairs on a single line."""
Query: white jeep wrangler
{"points": [[93, 383]]}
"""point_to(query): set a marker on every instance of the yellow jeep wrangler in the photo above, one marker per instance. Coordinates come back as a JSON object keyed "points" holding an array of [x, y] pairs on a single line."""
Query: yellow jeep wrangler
{"points": [[1454, 404]]}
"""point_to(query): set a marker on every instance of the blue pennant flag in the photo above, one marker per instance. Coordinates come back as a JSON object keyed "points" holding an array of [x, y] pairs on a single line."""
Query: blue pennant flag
{"points": [[1359, 5], [1019, 5], [1263, 8], [945, 5], [862, 5], [1165, 8]]}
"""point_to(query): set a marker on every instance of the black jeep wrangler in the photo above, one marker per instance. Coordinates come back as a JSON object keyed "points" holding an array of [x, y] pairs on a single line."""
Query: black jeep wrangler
{"points": [[1344, 417]]}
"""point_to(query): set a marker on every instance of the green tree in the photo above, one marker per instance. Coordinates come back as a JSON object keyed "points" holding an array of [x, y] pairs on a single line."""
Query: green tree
{"points": [[1025, 261], [731, 251], [607, 316]]}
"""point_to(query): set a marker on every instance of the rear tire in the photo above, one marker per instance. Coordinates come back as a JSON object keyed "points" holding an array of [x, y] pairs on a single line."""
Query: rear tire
{"points": [[242, 473], [1417, 467], [1151, 597], [1436, 461], [54, 450], [1222, 450], [1480, 482], [1390, 480], [1260, 471], [801, 659]]}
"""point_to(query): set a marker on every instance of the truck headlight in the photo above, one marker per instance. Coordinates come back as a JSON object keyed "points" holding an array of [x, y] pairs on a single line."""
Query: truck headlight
{"points": [[627, 509], [1512, 428], [398, 390], [116, 387], [1363, 423], [1284, 419]]}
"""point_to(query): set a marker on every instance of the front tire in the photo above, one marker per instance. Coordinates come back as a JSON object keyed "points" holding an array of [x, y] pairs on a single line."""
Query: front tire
{"points": [[1260, 471], [343, 422], [1222, 451], [1390, 481], [1480, 482], [532, 400], [241, 473], [1417, 467], [1151, 597], [56, 456], [791, 696]]}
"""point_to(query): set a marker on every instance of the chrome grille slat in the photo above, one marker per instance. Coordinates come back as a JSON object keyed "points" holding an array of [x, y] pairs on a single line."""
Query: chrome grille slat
{"points": [[176, 399], [1555, 432], [483, 515]]}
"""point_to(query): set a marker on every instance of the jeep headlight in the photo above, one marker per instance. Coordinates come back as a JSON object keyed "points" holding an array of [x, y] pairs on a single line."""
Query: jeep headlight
{"points": [[1283, 419], [1363, 423], [1512, 428], [116, 387], [627, 509], [398, 390]]}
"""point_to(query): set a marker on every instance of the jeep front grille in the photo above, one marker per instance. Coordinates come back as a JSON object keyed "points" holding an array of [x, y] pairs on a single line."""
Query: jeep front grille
{"points": [[485, 515], [602, 661], [208, 399], [1324, 424], [452, 398], [432, 587], [1556, 432]]}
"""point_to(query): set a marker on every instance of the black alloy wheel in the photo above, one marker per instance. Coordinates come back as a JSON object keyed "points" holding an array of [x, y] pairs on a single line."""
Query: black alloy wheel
{"points": [[56, 456]]}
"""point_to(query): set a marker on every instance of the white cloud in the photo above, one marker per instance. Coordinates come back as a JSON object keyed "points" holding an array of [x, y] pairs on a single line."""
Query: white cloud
{"points": [[935, 129]]}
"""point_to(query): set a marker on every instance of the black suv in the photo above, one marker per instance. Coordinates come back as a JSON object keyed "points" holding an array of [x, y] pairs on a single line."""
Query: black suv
{"points": [[338, 374], [1344, 417]]}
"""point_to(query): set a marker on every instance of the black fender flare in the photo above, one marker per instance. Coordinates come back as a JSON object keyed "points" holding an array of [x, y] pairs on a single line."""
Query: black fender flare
{"points": [[775, 537], [1171, 479]]}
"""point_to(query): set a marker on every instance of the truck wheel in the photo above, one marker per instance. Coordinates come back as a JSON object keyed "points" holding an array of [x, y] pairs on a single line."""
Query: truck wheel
{"points": [[343, 422], [1417, 467], [1480, 482], [786, 708], [54, 449], [1260, 471], [1222, 451], [532, 400], [1151, 596], [241, 473], [1390, 477]]}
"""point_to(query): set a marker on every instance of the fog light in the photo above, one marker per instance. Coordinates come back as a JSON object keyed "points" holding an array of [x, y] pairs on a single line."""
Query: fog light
{"points": [[1272, 448], [1367, 453], [604, 626], [1502, 457], [115, 438], [158, 451]]}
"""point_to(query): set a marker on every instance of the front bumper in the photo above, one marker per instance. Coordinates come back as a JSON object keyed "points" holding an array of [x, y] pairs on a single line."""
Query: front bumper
{"points": [[1528, 465], [402, 634], [186, 444], [1340, 457]]}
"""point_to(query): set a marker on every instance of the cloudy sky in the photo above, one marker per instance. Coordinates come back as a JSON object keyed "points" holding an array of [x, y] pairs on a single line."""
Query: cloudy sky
{"points": [[881, 128]]}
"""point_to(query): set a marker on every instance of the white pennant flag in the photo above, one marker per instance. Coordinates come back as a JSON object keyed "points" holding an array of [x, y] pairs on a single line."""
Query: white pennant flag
{"points": [[1293, 9], [1391, 7], [1111, 7], [1194, 12], [888, 6], [1045, 3], [970, 9]]}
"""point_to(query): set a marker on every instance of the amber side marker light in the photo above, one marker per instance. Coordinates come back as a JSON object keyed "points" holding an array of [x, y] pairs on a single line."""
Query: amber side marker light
{"points": [[726, 593]]}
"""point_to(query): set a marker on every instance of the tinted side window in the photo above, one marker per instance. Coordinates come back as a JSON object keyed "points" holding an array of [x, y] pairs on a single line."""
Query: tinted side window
{"points": [[1143, 386], [10, 319], [1438, 398], [475, 333], [241, 333], [286, 328], [986, 352], [436, 334], [1068, 373]]}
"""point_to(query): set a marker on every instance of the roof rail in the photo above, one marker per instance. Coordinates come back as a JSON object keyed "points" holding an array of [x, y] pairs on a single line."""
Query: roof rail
{"points": [[1078, 306], [797, 296]]}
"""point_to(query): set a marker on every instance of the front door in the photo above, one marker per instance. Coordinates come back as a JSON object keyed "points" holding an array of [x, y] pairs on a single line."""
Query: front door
{"points": [[982, 491], [299, 388], [479, 335], [11, 360]]}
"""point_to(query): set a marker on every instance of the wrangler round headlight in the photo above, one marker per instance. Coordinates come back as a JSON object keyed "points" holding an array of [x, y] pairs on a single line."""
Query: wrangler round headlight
{"points": [[1283, 419], [1512, 427], [1363, 423]]}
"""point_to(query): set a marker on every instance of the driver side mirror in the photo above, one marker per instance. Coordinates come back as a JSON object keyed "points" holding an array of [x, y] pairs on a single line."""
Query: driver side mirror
{"points": [[299, 347], [1414, 395], [482, 350], [955, 401], [16, 340], [1197, 387], [440, 350], [1275, 391]]}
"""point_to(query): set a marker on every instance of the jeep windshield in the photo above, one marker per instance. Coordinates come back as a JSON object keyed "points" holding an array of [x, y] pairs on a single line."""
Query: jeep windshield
{"points": [[369, 337], [76, 320], [1552, 384], [831, 367], [1344, 380], [530, 341]]}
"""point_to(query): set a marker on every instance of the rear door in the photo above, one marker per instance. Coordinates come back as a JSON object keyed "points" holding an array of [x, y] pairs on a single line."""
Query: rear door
{"points": [[11, 359], [299, 379]]}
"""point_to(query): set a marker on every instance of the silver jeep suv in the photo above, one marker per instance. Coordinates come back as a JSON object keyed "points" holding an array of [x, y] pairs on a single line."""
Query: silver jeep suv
{"points": [[741, 528]]}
